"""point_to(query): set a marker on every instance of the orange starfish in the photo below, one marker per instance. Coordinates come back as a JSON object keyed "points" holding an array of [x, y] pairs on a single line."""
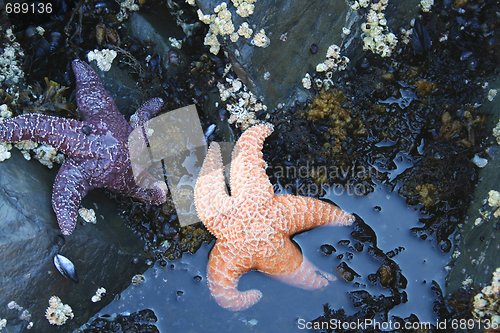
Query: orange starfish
{"points": [[253, 226]]}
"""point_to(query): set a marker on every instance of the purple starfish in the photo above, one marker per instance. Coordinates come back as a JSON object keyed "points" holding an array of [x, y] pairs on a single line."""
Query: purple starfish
{"points": [[96, 147]]}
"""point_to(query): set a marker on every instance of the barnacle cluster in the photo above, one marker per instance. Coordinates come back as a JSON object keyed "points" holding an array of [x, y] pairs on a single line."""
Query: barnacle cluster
{"points": [[24, 314], [99, 294], [426, 5], [490, 208], [45, 154], [48, 155], [486, 303], [494, 202], [244, 8], [58, 313], [241, 103], [376, 35], [4, 147], [11, 56], [104, 58], [88, 215], [5, 151], [126, 6], [221, 25], [334, 62], [496, 132]]}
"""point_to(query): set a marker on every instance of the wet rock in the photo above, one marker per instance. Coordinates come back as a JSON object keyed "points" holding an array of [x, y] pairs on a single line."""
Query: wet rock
{"points": [[290, 55], [30, 238], [137, 322], [156, 26], [476, 255]]}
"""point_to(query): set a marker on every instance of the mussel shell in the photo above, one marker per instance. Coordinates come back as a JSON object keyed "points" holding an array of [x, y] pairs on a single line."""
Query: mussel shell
{"points": [[65, 267], [210, 130]]}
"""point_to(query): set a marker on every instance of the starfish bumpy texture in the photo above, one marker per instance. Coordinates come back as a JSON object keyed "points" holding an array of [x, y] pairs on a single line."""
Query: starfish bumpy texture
{"points": [[253, 226], [96, 147]]}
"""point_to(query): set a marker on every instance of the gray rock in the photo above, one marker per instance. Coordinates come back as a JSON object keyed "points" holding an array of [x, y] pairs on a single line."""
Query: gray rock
{"points": [[479, 243], [122, 87], [303, 23], [102, 253], [156, 26]]}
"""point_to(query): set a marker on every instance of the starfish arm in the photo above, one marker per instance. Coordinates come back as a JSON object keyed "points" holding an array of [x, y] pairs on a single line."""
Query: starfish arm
{"points": [[94, 102], [155, 193], [69, 188], [291, 267], [210, 193], [248, 172], [147, 111], [223, 273], [66, 135], [304, 213]]}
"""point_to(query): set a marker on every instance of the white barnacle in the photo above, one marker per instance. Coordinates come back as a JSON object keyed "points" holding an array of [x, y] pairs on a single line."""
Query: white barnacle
{"points": [[58, 313], [244, 30], [492, 93], [88, 215], [494, 202], [485, 303], [99, 294], [5, 151], [104, 58], [496, 132], [426, 5], [321, 67], [260, 39], [245, 9], [5, 112], [207, 19], [306, 81]]}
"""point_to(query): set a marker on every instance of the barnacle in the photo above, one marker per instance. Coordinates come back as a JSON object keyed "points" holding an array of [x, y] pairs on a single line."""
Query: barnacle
{"points": [[376, 35], [260, 39], [98, 295], [58, 313], [494, 202], [88, 215], [104, 58], [11, 56], [426, 5], [486, 303], [240, 102], [496, 132]]}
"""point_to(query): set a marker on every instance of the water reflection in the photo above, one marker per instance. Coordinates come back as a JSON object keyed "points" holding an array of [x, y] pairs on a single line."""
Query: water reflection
{"points": [[180, 297]]}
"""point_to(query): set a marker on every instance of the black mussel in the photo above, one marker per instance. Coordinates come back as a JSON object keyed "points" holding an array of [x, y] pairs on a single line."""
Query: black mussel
{"points": [[65, 267]]}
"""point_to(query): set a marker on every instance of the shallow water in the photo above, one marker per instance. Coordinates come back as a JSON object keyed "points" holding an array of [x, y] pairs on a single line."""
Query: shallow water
{"points": [[183, 303]]}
